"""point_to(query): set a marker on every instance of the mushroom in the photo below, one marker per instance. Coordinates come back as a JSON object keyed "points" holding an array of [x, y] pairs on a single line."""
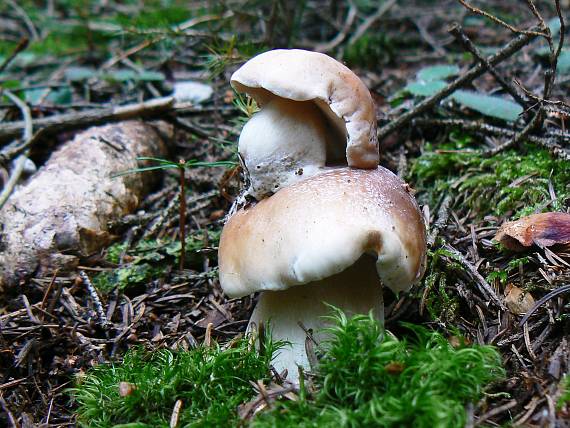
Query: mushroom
{"points": [[337, 112], [332, 238]]}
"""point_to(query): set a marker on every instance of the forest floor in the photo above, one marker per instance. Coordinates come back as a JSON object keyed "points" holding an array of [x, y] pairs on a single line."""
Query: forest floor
{"points": [[487, 151]]}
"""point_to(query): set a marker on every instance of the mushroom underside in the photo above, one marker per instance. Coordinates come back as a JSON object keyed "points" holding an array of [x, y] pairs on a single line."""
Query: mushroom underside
{"points": [[292, 312]]}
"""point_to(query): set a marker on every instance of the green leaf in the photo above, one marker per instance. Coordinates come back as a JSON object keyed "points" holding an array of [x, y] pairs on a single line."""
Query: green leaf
{"points": [[425, 88], [126, 75], [564, 62], [437, 72], [489, 105], [59, 96], [554, 25], [77, 74]]}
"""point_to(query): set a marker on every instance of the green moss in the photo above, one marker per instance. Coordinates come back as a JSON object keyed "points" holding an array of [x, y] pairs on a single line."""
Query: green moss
{"points": [[370, 378], [149, 259], [564, 399], [512, 181], [210, 381], [365, 377]]}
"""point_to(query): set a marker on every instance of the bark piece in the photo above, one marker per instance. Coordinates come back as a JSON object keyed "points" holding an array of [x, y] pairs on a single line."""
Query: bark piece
{"points": [[543, 230], [62, 212]]}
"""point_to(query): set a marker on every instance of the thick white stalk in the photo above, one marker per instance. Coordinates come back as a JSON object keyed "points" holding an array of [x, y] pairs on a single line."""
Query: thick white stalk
{"points": [[356, 290]]}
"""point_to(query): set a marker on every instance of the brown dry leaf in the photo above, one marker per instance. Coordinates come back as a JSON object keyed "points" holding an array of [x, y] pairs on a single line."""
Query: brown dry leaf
{"points": [[544, 230], [518, 301]]}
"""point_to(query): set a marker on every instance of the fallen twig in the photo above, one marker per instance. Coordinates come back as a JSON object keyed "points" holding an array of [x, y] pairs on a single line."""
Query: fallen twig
{"points": [[95, 297], [67, 121], [474, 72], [21, 160], [22, 45], [457, 32], [483, 285]]}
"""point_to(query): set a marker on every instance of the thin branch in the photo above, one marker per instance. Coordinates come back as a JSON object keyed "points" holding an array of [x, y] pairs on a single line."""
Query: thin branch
{"points": [[368, 22], [457, 32], [341, 35], [517, 137], [546, 298], [483, 285], [22, 45], [68, 121], [21, 160], [496, 20], [474, 72]]}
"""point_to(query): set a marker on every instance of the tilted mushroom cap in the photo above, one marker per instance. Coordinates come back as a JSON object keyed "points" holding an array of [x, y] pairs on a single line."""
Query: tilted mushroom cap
{"points": [[301, 75], [319, 227]]}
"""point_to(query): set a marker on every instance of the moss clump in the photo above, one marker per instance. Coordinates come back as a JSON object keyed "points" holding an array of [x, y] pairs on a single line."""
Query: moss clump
{"points": [[564, 399], [368, 377], [516, 181], [365, 377], [210, 381]]}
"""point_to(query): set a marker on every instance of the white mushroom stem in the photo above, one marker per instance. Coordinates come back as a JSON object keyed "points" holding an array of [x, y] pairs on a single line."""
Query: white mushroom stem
{"points": [[356, 290], [283, 143]]}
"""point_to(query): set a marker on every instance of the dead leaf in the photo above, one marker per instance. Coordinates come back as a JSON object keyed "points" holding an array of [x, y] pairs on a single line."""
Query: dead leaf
{"points": [[518, 301], [126, 388], [543, 230]]}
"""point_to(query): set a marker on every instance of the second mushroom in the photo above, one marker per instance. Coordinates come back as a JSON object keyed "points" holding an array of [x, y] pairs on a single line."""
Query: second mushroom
{"points": [[329, 226]]}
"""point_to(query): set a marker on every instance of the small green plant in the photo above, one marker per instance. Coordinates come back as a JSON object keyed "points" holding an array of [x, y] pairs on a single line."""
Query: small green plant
{"points": [[368, 377], [210, 382], [182, 165], [501, 276]]}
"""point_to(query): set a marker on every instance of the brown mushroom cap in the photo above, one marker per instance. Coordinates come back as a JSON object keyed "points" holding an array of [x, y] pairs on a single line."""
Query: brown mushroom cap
{"points": [[301, 75], [319, 227]]}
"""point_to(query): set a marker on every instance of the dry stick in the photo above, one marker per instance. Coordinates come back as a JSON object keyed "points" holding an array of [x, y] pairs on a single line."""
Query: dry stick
{"points": [[339, 38], [483, 285], [182, 216], [497, 20], [29, 23], [474, 72], [441, 222], [11, 418], [457, 32], [496, 411], [21, 160], [22, 44], [148, 109], [69, 121], [518, 137], [368, 22], [95, 297]]}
